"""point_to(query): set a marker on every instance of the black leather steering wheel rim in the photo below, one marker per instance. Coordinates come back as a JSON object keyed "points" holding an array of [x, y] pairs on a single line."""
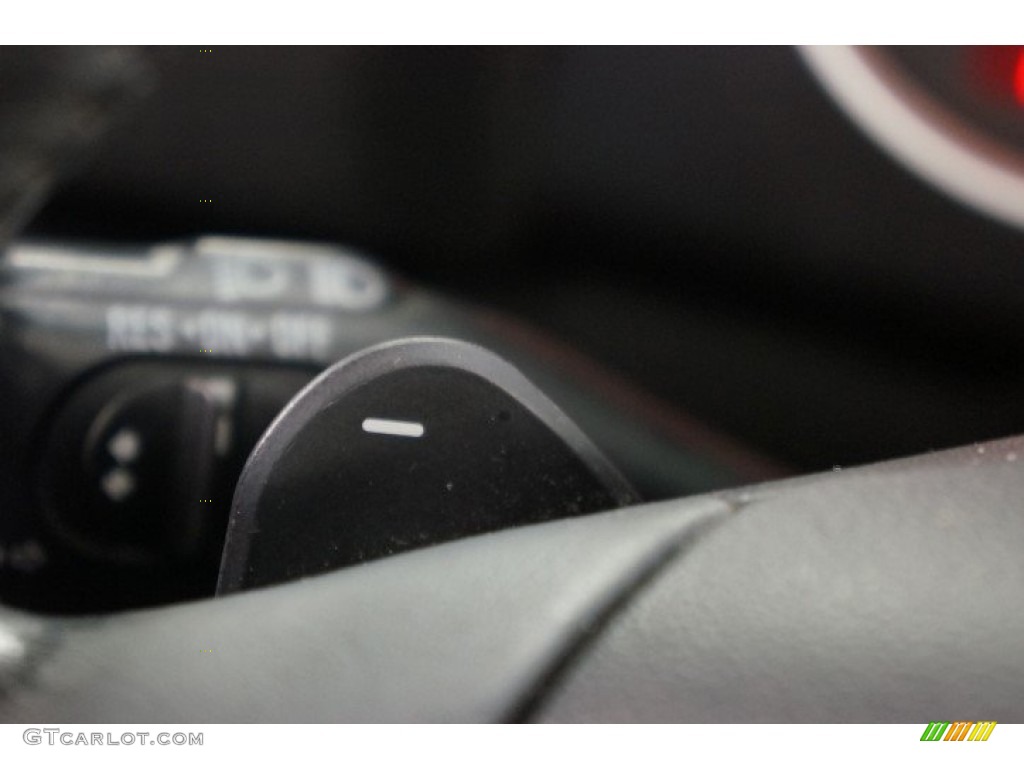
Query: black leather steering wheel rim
{"points": [[887, 593]]}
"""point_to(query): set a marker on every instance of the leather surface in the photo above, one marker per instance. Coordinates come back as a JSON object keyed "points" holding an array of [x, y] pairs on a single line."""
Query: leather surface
{"points": [[890, 593], [458, 632]]}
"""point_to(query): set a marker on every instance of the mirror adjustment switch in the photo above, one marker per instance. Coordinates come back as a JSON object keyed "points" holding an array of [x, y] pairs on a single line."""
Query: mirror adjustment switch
{"points": [[407, 444]]}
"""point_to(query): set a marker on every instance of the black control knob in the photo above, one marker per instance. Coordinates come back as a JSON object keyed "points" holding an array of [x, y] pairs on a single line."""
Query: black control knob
{"points": [[406, 444], [139, 463], [126, 480]]}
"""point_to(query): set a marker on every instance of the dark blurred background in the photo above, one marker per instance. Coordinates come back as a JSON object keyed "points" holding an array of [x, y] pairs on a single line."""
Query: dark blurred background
{"points": [[702, 220]]}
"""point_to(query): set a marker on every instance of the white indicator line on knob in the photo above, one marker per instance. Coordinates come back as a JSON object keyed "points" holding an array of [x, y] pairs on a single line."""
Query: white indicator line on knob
{"points": [[390, 427]]}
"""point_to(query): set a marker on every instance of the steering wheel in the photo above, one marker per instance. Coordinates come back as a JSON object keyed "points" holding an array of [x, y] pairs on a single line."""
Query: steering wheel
{"points": [[881, 594]]}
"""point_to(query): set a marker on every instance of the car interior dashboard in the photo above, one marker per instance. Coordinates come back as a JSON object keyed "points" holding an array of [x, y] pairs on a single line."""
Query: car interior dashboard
{"points": [[533, 383]]}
